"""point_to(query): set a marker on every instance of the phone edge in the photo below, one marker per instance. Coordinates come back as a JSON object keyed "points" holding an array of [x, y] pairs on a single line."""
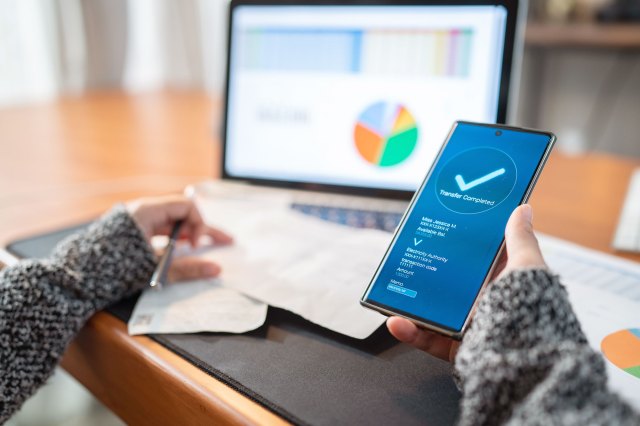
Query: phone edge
{"points": [[457, 335]]}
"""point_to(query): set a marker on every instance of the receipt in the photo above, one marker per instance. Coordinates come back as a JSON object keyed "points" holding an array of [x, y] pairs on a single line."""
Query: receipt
{"points": [[311, 267], [196, 306]]}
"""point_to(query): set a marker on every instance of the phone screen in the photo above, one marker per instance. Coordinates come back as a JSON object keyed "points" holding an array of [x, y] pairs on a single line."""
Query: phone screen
{"points": [[451, 234]]}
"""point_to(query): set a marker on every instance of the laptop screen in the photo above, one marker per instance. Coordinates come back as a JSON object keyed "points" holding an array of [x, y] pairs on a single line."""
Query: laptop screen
{"points": [[357, 96]]}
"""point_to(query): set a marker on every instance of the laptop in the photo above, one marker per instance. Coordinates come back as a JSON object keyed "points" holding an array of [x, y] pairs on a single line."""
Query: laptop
{"points": [[344, 105]]}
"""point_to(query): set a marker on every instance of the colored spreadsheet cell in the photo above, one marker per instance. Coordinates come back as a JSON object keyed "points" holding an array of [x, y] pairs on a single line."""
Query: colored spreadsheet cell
{"points": [[622, 348], [386, 134], [428, 52]]}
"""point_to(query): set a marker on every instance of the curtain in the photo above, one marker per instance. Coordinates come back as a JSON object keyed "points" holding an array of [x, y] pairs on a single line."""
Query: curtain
{"points": [[29, 65], [54, 47]]}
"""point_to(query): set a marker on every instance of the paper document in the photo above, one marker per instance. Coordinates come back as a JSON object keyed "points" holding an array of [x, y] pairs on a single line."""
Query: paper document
{"points": [[627, 236], [311, 267], [196, 306], [605, 293]]}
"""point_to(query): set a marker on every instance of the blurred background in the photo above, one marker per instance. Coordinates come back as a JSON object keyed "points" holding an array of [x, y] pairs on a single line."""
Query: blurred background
{"points": [[50, 48], [580, 78]]}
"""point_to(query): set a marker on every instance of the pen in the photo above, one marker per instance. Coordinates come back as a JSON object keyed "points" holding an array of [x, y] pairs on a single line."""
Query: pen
{"points": [[160, 274]]}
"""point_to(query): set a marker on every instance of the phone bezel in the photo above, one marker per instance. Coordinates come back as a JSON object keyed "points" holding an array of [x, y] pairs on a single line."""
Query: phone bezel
{"points": [[424, 322]]}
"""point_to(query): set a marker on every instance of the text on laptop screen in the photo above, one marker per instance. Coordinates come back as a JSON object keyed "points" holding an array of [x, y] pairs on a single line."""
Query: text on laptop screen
{"points": [[356, 96]]}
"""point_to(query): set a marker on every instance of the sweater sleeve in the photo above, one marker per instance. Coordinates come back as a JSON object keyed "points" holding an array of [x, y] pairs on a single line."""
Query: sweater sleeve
{"points": [[525, 360], [44, 303]]}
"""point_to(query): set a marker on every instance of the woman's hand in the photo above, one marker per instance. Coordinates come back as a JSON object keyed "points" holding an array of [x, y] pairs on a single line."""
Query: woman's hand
{"points": [[522, 252], [156, 216]]}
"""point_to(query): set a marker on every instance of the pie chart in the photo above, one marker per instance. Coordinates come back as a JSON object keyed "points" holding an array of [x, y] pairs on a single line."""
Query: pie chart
{"points": [[622, 348], [385, 134]]}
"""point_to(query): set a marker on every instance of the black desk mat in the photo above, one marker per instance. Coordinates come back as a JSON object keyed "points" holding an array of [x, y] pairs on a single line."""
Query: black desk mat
{"points": [[307, 374]]}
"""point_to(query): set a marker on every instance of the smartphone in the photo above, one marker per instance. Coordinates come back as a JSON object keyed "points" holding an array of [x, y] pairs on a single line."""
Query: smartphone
{"points": [[451, 236]]}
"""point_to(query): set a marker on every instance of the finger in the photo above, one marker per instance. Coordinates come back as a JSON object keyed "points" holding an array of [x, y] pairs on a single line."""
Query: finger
{"points": [[427, 341], [190, 268], [192, 223], [196, 228], [173, 208], [155, 215], [181, 208], [194, 233], [522, 244], [218, 235]]}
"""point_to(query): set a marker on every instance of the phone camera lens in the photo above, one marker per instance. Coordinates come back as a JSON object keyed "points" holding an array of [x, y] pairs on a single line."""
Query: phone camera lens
{"points": [[498, 133]]}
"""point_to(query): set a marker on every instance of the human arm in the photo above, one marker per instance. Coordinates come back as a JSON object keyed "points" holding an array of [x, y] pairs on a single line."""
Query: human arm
{"points": [[44, 303], [525, 359]]}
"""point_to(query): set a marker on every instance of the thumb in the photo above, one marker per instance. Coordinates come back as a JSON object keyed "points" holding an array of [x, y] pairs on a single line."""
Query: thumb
{"points": [[192, 268], [523, 250]]}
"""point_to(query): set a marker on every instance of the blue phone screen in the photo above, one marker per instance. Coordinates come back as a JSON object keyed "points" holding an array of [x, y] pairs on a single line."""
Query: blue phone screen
{"points": [[447, 243]]}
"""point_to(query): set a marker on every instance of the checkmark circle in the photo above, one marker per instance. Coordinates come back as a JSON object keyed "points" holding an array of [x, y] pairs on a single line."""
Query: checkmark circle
{"points": [[476, 180]]}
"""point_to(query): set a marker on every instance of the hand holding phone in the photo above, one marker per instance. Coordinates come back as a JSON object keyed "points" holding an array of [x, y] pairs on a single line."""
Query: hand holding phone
{"points": [[447, 245], [524, 252]]}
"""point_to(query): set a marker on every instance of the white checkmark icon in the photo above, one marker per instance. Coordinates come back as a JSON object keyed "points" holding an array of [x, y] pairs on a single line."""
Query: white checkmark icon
{"points": [[486, 178]]}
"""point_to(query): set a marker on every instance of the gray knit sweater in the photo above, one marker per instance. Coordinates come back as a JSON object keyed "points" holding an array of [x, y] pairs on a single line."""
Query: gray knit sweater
{"points": [[43, 304], [523, 360]]}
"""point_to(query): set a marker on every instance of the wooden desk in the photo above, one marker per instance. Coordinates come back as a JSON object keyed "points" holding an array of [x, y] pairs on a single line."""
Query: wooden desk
{"points": [[68, 161]]}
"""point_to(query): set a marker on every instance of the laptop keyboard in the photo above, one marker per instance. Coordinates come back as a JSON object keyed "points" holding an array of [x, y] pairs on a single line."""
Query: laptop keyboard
{"points": [[357, 218]]}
